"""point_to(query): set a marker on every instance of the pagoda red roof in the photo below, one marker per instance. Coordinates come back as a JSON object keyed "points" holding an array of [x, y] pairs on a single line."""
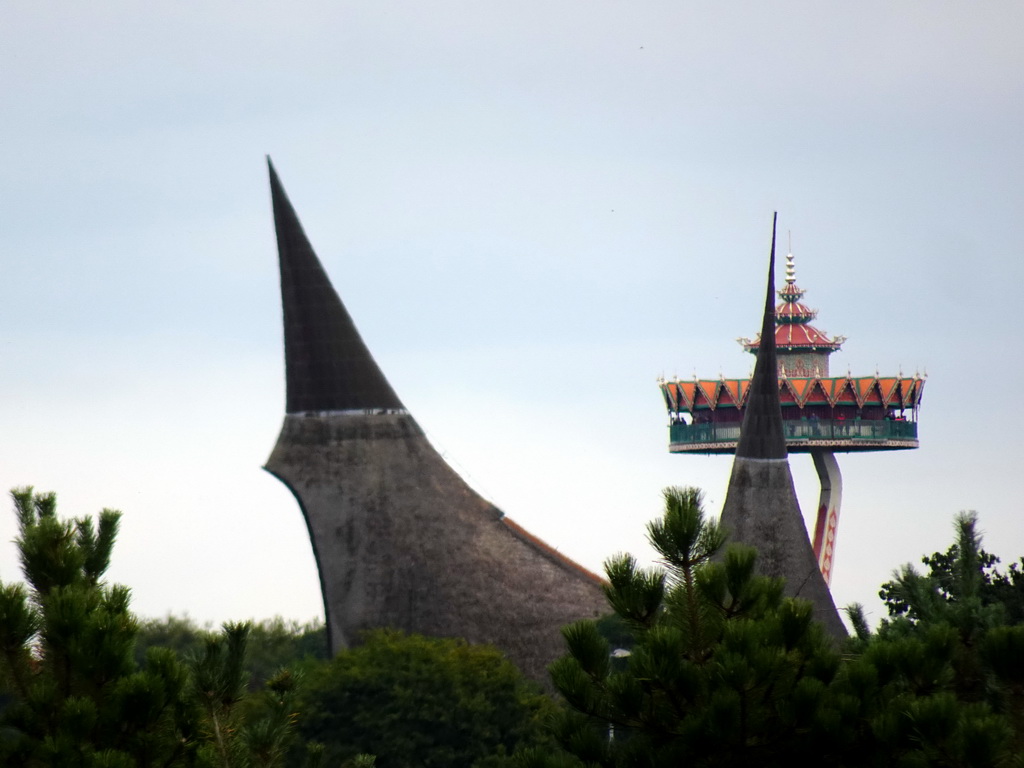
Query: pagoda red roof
{"points": [[793, 329], [794, 312], [793, 336]]}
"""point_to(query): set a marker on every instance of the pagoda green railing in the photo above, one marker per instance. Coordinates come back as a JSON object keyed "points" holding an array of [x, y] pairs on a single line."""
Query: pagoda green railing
{"points": [[802, 431]]}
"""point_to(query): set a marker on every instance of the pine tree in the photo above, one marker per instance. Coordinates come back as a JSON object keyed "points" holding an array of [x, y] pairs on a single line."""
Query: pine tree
{"points": [[75, 695], [72, 694], [941, 682], [723, 670], [242, 730], [994, 585]]}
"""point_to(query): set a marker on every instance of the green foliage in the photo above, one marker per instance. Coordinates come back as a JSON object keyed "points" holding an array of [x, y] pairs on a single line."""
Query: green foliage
{"points": [[272, 643], [725, 672], [419, 701], [276, 643], [243, 730], [946, 580], [723, 669], [702, 662], [76, 697], [942, 681], [218, 682], [72, 692]]}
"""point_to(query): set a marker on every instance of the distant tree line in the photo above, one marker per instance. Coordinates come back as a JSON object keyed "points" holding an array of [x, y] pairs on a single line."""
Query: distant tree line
{"points": [[700, 662]]}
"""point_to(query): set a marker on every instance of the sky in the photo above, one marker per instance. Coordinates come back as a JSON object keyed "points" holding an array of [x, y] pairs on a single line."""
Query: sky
{"points": [[532, 210]]}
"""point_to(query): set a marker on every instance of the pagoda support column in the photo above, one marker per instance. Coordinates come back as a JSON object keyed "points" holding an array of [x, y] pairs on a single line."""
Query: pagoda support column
{"points": [[829, 502]]}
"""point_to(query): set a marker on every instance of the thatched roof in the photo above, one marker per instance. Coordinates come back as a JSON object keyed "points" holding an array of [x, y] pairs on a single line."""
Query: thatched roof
{"points": [[328, 366], [399, 538]]}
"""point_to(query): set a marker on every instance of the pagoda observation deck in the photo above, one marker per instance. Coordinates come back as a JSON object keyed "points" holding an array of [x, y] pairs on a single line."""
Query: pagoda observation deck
{"points": [[841, 414], [821, 414], [837, 414]]}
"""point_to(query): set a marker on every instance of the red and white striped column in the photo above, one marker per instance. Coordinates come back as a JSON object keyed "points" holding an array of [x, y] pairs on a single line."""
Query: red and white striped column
{"points": [[827, 523]]}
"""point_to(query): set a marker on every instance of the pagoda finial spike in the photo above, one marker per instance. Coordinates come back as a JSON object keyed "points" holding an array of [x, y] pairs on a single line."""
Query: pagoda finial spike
{"points": [[790, 268]]}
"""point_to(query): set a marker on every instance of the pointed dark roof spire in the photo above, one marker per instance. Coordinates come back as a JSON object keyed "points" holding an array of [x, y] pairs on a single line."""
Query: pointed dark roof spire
{"points": [[761, 434], [761, 508], [328, 367]]}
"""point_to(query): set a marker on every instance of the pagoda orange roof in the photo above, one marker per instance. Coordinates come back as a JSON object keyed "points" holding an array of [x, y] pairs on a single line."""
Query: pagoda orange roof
{"points": [[719, 394], [801, 388]]}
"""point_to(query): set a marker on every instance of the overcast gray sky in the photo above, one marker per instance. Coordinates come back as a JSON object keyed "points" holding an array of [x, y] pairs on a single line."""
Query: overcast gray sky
{"points": [[532, 210]]}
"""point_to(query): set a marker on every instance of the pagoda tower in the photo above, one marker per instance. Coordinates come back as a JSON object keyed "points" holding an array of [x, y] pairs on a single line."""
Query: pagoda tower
{"points": [[400, 540], [821, 414]]}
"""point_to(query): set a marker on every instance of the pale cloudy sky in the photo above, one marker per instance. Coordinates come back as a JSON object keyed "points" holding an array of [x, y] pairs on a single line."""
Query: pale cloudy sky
{"points": [[532, 210]]}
